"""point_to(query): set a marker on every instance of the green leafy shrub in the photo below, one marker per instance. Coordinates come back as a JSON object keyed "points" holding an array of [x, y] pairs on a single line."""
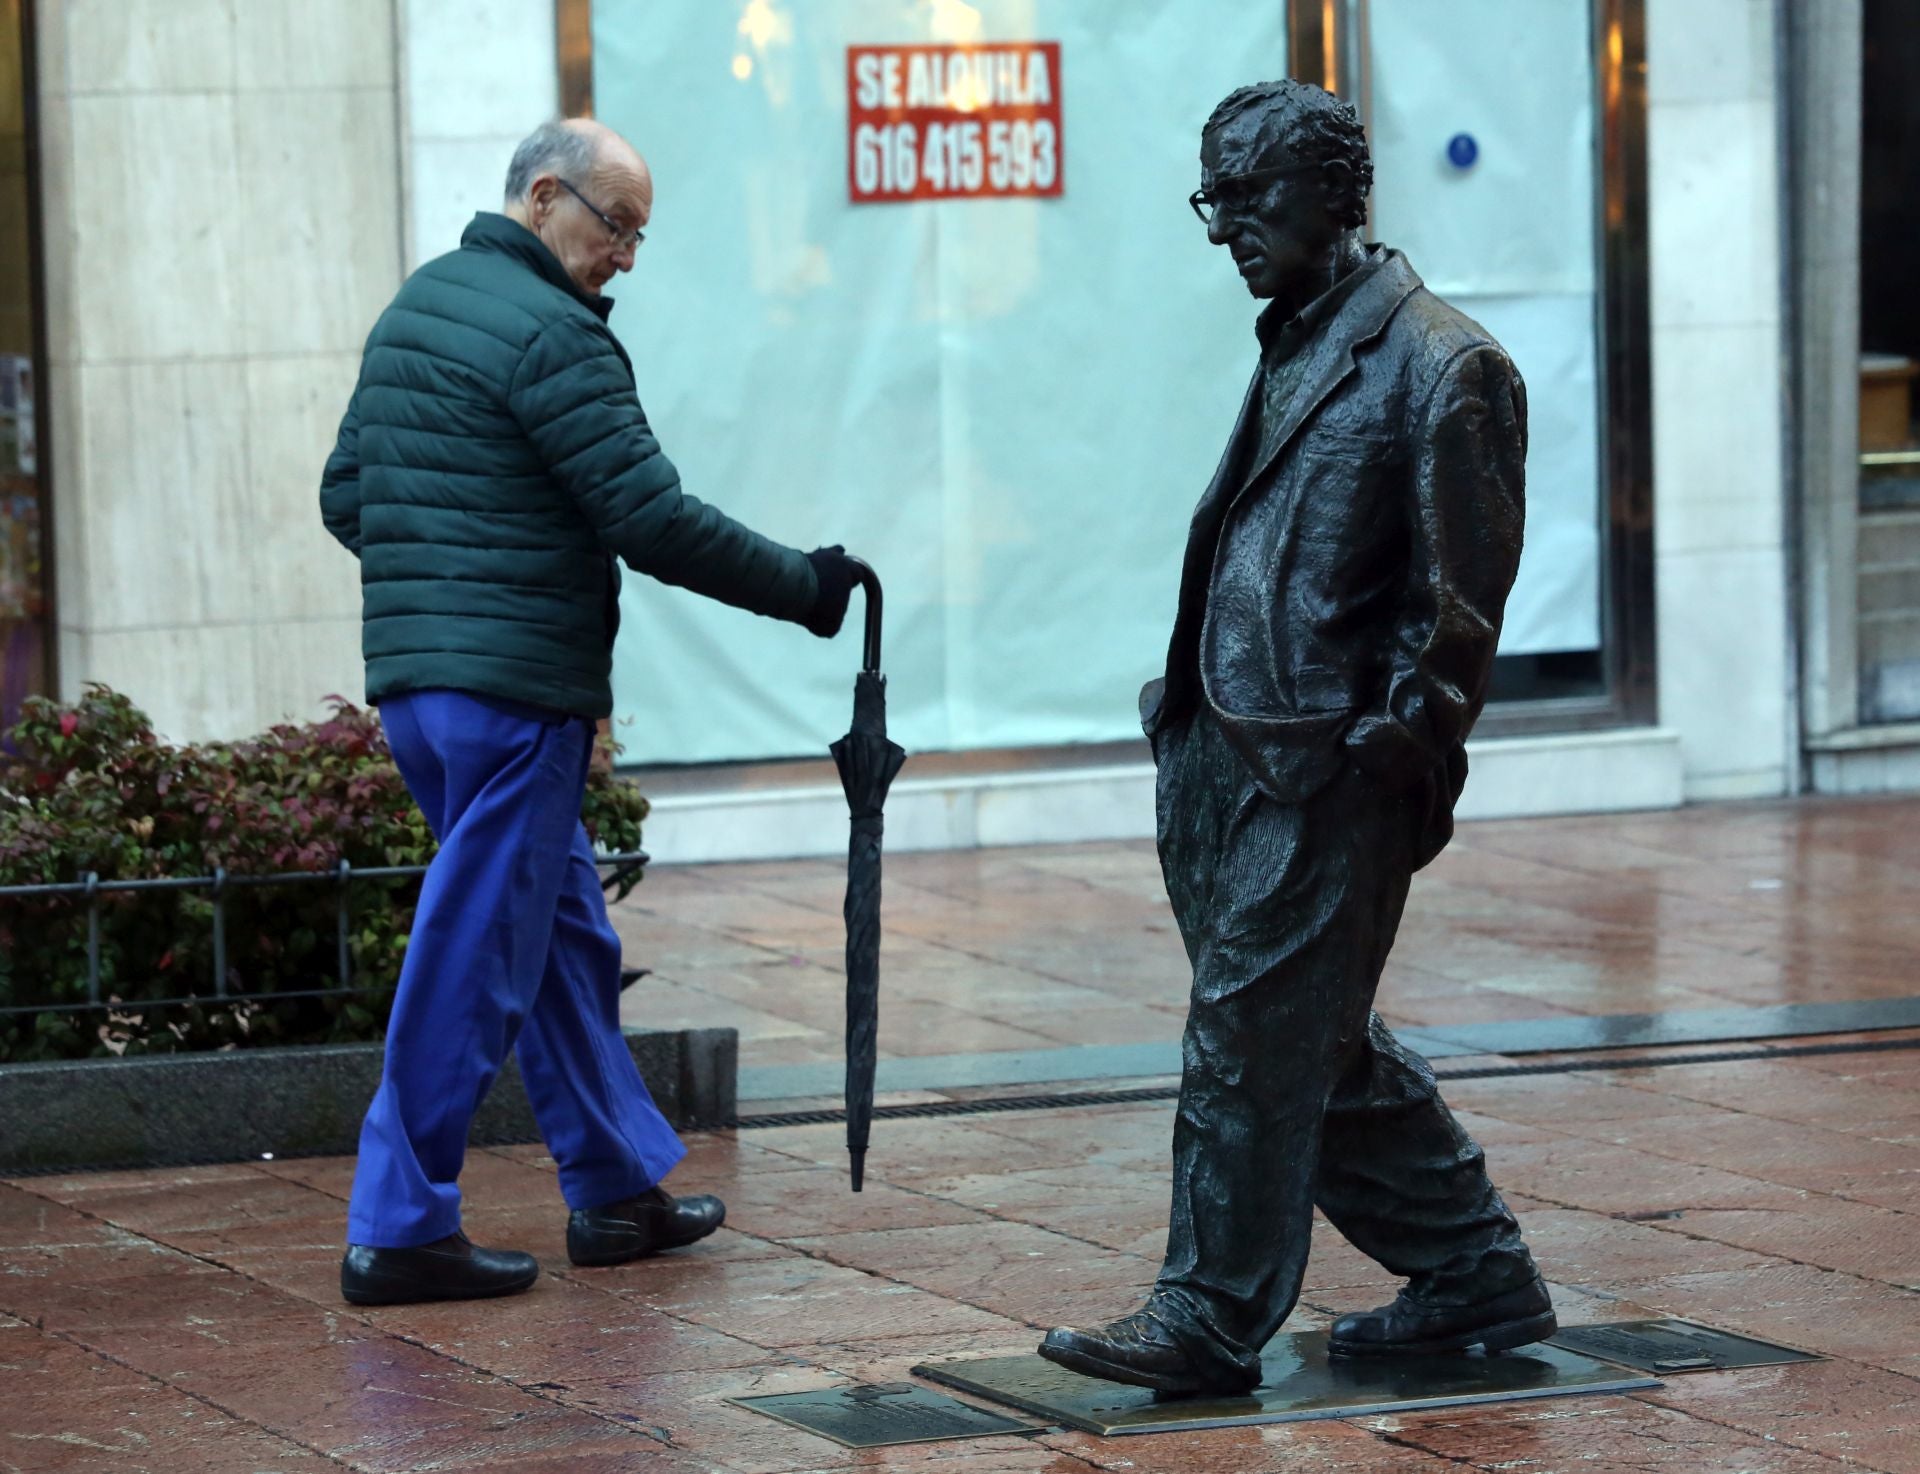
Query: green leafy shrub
{"points": [[90, 787]]}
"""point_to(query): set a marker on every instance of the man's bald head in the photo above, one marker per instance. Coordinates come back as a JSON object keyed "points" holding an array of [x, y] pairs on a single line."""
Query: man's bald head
{"points": [[586, 192], [578, 149]]}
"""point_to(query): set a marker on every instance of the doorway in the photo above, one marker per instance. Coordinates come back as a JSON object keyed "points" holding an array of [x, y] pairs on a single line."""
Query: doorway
{"points": [[25, 603]]}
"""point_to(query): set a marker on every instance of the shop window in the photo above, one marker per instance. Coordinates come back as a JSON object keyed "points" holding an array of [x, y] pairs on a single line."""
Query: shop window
{"points": [[24, 612], [1889, 532], [1012, 404]]}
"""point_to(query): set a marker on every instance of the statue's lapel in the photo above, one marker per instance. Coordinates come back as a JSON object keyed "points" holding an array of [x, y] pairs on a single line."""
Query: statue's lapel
{"points": [[1362, 318]]}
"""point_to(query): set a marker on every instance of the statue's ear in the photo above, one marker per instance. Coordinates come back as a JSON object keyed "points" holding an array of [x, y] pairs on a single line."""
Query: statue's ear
{"points": [[1337, 182]]}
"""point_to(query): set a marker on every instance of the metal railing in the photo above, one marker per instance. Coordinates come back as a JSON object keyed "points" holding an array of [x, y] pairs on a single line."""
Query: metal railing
{"points": [[220, 883]]}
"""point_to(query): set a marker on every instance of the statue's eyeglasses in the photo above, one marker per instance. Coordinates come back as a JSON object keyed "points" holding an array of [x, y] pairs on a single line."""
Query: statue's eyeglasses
{"points": [[628, 240], [1234, 191]]}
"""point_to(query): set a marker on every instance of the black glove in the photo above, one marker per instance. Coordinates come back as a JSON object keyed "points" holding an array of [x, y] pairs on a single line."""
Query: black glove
{"points": [[834, 571]]}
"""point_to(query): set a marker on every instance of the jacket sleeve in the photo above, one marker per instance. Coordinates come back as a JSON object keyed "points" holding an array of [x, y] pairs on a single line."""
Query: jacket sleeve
{"points": [[340, 481], [1469, 476], [573, 394]]}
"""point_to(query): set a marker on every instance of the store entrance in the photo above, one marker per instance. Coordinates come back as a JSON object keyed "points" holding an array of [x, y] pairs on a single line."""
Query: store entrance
{"points": [[24, 606], [1889, 558]]}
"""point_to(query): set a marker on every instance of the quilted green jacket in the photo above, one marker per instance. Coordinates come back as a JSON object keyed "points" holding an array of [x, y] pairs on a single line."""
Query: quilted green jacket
{"points": [[493, 461]]}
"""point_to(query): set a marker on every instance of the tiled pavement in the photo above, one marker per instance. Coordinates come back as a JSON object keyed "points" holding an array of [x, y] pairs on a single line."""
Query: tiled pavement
{"points": [[189, 1319], [1735, 905]]}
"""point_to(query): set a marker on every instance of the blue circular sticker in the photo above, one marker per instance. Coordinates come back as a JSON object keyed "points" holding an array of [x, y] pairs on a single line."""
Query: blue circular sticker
{"points": [[1462, 150]]}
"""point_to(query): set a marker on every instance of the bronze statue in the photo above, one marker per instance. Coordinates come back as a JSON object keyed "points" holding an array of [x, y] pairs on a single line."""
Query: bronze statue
{"points": [[1340, 602]]}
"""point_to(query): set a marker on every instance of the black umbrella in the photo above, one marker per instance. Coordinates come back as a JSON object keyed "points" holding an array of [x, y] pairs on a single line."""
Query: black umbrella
{"points": [[867, 763]]}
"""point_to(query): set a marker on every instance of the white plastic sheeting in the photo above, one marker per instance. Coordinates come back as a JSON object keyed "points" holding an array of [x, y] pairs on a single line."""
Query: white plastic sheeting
{"points": [[1008, 406], [1511, 242]]}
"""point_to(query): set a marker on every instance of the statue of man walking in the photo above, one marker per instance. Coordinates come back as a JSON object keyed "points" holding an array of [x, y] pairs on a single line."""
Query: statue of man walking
{"points": [[1340, 602]]}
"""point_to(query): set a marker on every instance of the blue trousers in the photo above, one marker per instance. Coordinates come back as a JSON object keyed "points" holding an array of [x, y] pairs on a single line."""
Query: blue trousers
{"points": [[511, 949]]}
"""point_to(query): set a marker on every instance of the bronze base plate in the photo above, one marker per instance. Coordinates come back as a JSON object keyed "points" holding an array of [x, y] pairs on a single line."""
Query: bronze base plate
{"points": [[1665, 1347], [882, 1415], [1301, 1382]]}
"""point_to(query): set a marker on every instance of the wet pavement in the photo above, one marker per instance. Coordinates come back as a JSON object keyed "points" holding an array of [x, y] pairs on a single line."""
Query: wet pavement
{"points": [[1037, 949], [189, 1319]]}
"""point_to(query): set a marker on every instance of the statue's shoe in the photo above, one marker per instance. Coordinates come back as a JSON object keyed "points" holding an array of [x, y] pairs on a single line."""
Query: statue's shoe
{"points": [[1515, 1318], [449, 1269], [1140, 1351], [634, 1228]]}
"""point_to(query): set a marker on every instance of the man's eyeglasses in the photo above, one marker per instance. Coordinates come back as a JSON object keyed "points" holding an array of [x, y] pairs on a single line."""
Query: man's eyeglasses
{"points": [[1233, 191], [623, 240]]}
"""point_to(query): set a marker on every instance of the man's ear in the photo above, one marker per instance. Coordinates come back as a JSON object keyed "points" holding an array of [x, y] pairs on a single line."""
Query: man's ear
{"points": [[540, 196]]}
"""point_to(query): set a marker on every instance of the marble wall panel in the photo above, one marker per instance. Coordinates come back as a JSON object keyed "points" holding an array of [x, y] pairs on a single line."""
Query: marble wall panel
{"points": [[1709, 50], [149, 45], [284, 44], [163, 226], [196, 682], [56, 226], [452, 179], [75, 647], [479, 68], [1721, 572], [67, 461], [298, 664], [293, 413], [1720, 483], [1723, 661], [164, 494], [479, 76], [51, 19], [322, 251], [1714, 221]]}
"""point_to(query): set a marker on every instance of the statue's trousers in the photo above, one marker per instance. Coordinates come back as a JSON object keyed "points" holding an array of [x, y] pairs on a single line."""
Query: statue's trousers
{"points": [[510, 949], [1294, 1092]]}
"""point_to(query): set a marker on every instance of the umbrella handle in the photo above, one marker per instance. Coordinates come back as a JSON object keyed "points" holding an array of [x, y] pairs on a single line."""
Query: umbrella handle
{"points": [[870, 581]]}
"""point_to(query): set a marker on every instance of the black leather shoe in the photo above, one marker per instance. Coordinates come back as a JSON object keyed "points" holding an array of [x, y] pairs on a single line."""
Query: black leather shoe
{"points": [[633, 1228], [1517, 1318], [450, 1269], [1140, 1351]]}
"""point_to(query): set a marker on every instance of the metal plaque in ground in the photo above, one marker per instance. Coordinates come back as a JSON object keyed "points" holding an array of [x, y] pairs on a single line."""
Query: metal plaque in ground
{"points": [[883, 1414], [1300, 1383], [1667, 1346]]}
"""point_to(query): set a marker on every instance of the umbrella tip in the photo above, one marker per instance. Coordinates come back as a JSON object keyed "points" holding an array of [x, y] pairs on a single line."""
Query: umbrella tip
{"points": [[859, 1154]]}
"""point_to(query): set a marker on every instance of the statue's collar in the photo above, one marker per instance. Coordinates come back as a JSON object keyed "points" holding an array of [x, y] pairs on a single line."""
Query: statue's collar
{"points": [[1381, 281]]}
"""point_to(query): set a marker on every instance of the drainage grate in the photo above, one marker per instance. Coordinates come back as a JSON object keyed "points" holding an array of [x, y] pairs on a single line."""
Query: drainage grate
{"points": [[883, 1415], [1068, 1100]]}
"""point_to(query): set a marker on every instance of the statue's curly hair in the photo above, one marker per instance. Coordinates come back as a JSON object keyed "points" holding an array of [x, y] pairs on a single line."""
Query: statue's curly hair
{"points": [[1313, 126]]}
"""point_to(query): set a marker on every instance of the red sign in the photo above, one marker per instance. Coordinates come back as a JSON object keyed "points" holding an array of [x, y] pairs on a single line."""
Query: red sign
{"points": [[953, 122]]}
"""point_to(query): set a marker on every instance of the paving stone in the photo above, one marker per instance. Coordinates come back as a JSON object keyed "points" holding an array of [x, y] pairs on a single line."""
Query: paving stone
{"points": [[1837, 1408], [1874, 1243], [799, 1301], [1012, 1269], [936, 1149], [1564, 1435], [817, 1200], [1814, 1309], [1611, 1179], [570, 1339], [1300, 1448], [1579, 1247], [1783, 1090], [69, 1409], [29, 1220], [1106, 1205]]}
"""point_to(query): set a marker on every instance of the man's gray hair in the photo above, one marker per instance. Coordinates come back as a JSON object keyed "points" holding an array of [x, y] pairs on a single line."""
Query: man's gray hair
{"points": [[552, 148]]}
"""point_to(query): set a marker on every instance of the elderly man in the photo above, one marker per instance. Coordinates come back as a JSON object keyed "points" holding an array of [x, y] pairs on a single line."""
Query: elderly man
{"points": [[1341, 599], [493, 463]]}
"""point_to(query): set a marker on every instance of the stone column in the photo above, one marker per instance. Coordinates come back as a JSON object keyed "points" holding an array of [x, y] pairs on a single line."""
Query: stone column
{"points": [[221, 186]]}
